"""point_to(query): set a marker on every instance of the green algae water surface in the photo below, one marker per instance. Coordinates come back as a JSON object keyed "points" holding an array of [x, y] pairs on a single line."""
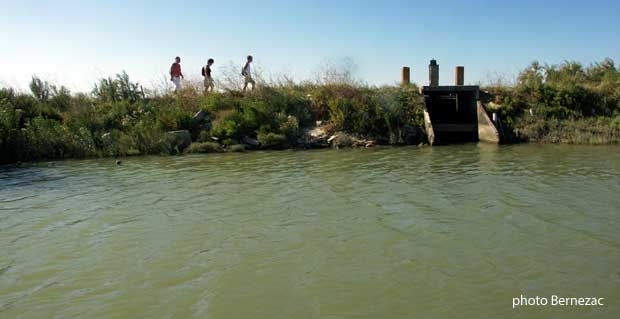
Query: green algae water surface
{"points": [[442, 232]]}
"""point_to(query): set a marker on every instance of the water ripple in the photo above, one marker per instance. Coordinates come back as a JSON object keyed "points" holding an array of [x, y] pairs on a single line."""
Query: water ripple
{"points": [[353, 233]]}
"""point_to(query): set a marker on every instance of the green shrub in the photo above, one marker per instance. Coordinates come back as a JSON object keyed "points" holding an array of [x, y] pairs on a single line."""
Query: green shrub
{"points": [[12, 140], [119, 88], [83, 113], [214, 103], [237, 148], [61, 99], [113, 114], [26, 103], [118, 143], [289, 127], [339, 112], [229, 125], [81, 143], [45, 139], [204, 136], [206, 147], [271, 140], [150, 139], [171, 119]]}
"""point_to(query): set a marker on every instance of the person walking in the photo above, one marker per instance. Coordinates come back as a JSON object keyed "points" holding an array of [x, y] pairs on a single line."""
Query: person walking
{"points": [[206, 72], [175, 74], [247, 74]]}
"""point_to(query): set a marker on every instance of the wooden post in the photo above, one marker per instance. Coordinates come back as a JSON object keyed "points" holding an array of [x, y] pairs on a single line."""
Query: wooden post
{"points": [[406, 76], [459, 75], [433, 73]]}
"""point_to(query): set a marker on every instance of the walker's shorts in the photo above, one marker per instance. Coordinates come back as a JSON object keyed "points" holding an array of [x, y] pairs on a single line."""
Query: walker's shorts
{"points": [[177, 82], [209, 83], [248, 79]]}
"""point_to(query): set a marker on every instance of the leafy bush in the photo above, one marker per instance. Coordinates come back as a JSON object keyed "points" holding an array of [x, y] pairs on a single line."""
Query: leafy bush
{"points": [[228, 125], [12, 139], [150, 139], [119, 88], [118, 143], [289, 127], [271, 140], [206, 147], [170, 119], [45, 139]]}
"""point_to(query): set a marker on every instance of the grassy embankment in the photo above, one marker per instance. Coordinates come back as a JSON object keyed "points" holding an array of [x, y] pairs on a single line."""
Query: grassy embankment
{"points": [[118, 119], [565, 103], [568, 103]]}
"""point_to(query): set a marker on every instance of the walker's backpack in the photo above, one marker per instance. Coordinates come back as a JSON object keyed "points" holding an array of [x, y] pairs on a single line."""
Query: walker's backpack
{"points": [[203, 71]]}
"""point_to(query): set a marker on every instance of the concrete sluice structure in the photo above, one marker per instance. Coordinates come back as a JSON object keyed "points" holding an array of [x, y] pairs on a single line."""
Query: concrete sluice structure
{"points": [[454, 114]]}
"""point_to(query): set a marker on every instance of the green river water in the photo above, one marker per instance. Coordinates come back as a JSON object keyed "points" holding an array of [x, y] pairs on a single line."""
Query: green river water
{"points": [[441, 232]]}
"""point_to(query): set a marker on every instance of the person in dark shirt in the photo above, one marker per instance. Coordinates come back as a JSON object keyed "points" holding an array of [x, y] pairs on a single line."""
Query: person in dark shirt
{"points": [[206, 72]]}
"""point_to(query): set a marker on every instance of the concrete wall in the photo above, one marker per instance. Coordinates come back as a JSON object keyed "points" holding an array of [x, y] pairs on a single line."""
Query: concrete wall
{"points": [[429, 128], [452, 113], [487, 132]]}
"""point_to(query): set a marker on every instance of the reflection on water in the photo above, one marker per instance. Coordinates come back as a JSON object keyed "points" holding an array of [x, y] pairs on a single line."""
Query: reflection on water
{"points": [[454, 231]]}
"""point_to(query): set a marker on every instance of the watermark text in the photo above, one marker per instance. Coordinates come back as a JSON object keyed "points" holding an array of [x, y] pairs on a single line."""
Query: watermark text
{"points": [[556, 300]]}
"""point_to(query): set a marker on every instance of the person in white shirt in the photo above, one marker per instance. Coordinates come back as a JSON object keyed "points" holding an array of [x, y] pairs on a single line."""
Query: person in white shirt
{"points": [[247, 74]]}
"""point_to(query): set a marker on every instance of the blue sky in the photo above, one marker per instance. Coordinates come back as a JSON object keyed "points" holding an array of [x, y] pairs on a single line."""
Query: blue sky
{"points": [[75, 42]]}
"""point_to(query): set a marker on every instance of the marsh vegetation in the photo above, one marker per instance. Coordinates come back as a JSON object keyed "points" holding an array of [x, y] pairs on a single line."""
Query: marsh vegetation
{"points": [[566, 103]]}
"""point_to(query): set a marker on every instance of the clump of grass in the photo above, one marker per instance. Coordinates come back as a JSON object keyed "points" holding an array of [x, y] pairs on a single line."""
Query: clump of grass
{"points": [[237, 148], [205, 147], [595, 130], [272, 140]]}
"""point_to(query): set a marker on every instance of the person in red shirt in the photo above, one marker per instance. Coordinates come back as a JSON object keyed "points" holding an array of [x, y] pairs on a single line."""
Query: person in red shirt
{"points": [[175, 74]]}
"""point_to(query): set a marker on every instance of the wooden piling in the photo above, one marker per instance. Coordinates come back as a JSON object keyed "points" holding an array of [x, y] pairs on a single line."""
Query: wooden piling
{"points": [[433, 73], [406, 76], [459, 75]]}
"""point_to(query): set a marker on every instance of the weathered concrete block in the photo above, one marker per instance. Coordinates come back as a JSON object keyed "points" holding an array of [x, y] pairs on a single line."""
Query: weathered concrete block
{"points": [[409, 134], [487, 132], [179, 139], [428, 125], [200, 122], [199, 117], [341, 139], [250, 141]]}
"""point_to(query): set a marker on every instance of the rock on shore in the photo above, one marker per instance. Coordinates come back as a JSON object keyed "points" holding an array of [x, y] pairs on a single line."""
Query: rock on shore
{"points": [[179, 139]]}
